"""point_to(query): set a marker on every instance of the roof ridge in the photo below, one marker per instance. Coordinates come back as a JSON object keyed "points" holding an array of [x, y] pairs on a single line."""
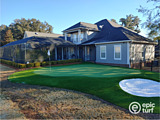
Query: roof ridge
{"points": [[120, 26], [42, 32]]}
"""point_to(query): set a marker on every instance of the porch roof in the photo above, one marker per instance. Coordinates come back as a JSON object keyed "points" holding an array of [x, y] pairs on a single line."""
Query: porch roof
{"points": [[36, 42]]}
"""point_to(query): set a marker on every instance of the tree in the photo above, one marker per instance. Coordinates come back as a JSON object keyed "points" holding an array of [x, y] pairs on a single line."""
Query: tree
{"points": [[19, 26], [131, 22], [113, 20], [3, 29], [8, 36], [153, 19]]}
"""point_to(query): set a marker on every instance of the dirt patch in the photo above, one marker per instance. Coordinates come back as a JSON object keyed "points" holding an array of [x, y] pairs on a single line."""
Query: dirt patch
{"points": [[39, 102]]}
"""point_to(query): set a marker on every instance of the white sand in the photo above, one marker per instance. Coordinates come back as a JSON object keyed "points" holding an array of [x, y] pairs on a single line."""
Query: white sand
{"points": [[141, 87]]}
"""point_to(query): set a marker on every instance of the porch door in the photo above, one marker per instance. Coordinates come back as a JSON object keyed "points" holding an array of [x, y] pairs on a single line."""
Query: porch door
{"points": [[81, 52]]}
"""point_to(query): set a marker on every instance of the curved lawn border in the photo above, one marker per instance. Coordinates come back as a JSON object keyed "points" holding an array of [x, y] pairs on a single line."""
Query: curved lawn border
{"points": [[106, 88]]}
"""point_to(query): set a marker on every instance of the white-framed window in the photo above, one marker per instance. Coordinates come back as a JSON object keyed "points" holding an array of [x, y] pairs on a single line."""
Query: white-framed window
{"points": [[74, 37], [117, 52], [103, 52], [82, 36], [149, 49]]}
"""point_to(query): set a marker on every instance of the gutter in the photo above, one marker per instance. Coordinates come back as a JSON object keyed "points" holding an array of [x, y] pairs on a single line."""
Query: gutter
{"points": [[75, 29], [113, 42], [134, 41]]}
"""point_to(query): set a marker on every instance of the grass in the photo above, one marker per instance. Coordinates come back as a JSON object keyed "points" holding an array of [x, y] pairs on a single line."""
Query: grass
{"points": [[99, 80]]}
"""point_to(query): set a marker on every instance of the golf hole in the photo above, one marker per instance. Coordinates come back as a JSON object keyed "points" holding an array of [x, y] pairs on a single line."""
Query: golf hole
{"points": [[141, 87]]}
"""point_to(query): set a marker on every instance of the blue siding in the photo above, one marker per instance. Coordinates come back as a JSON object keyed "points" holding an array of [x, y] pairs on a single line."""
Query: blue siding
{"points": [[110, 54]]}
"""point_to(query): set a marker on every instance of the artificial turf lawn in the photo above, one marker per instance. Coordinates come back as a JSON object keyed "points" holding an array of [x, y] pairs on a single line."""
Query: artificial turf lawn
{"points": [[99, 80]]}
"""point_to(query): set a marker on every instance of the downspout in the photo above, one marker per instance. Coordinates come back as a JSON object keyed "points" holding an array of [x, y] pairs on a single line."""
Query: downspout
{"points": [[128, 54], [25, 53]]}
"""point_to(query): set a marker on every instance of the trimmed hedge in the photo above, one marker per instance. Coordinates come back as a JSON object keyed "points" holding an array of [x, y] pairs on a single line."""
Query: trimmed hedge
{"points": [[30, 65], [38, 64], [22, 66]]}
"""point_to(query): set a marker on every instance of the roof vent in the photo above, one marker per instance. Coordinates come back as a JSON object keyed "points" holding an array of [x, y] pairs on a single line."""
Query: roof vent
{"points": [[101, 26], [36, 33]]}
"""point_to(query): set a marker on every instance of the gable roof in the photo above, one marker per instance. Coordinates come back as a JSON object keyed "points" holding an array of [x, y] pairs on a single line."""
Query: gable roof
{"points": [[41, 41], [41, 34], [84, 26], [110, 31]]}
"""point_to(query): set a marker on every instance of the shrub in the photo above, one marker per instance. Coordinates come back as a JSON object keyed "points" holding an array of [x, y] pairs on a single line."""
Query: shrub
{"points": [[37, 64], [43, 63], [53, 62], [22, 66], [30, 65], [47, 62], [61, 62]]}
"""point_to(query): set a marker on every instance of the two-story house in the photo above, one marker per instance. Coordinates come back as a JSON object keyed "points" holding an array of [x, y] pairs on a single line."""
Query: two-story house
{"points": [[110, 43], [103, 42]]}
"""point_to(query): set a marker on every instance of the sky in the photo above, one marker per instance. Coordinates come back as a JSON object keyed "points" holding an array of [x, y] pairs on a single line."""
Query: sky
{"points": [[62, 14]]}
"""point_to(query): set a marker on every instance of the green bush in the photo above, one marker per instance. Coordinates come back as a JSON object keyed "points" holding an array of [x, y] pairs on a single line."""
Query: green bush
{"points": [[53, 62], [30, 65], [43, 63], [47, 63], [37, 64], [61, 62], [22, 66]]}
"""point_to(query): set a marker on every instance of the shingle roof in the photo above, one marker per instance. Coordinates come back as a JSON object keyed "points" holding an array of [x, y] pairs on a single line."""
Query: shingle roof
{"points": [[36, 42], [40, 34], [110, 31], [83, 25]]}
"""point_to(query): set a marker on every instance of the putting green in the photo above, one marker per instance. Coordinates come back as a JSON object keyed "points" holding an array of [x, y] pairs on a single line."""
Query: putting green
{"points": [[99, 80], [89, 70]]}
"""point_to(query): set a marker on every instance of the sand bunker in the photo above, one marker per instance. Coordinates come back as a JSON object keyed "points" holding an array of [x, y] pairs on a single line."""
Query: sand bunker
{"points": [[141, 87]]}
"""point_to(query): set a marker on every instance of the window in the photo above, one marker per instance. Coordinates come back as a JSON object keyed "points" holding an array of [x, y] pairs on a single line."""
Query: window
{"points": [[82, 36], [149, 49], [102, 52], [74, 38], [117, 52]]}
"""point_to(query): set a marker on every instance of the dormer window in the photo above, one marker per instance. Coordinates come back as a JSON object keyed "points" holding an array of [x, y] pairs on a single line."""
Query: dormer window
{"points": [[101, 26], [82, 36], [74, 37]]}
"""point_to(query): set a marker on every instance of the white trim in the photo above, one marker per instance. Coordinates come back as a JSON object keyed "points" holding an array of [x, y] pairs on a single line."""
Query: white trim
{"points": [[85, 49], [128, 54], [114, 42], [115, 52], [75, 29], [65, 35], [105, 52], [133, 55]]}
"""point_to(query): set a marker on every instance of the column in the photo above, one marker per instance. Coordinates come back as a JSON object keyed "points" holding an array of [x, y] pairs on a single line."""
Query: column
{"points": [[55, 53], [68, 53], [65, 35], [62, 53], [77, 52], [85, 53], [86, 35], [79, 36]]}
